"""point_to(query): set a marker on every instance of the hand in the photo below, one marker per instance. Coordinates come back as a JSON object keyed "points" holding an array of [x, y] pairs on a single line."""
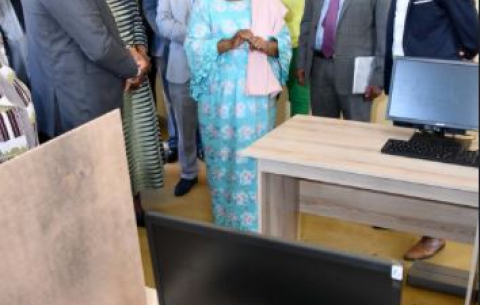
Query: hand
{"points": [[241, 37], [134, 83], [143, 63], [301, 77], [372, 93], [259, 44], [245, 35], [143, 51]]}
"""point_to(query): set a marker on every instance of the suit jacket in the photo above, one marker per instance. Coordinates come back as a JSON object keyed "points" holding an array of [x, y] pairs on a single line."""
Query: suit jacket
{"points": [[77, 62], [172, 22], [361, 32], [13, 30], [158, 43], [437, 29], [18, 7]]}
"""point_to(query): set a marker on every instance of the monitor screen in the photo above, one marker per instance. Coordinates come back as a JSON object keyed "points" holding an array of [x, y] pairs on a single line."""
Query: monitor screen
{"points": [[432, 93], [203, 265]]}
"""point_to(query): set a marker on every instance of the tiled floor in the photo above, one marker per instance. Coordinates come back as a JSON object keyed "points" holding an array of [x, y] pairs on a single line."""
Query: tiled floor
{"points": [[315, 230]]}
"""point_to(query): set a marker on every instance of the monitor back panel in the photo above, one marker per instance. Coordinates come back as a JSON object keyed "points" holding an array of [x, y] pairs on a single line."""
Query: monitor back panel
{"points": [[202, 265], [435, 93]]}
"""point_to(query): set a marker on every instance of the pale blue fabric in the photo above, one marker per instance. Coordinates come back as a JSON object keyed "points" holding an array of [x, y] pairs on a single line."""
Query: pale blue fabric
{"points": [[230, 121], [320, 31]]}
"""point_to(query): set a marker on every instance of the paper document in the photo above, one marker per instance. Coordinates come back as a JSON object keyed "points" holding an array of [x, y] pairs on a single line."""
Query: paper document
{"points": [[363, 74]]}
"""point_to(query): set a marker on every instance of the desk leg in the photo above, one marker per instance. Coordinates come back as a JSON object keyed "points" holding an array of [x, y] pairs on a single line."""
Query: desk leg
{"points": [[473, 273], [279, 205]]}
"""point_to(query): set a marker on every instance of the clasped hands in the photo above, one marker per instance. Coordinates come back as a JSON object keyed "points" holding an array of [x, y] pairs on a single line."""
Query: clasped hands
{"points": [[256, 43], [140, 56]]}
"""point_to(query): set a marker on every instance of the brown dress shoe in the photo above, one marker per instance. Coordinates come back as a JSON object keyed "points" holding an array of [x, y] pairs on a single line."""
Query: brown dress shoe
{"points": [[426, 248]]}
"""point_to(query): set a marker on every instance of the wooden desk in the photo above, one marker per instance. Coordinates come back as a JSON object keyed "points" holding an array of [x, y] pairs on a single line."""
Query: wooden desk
{"points": [[335, 168]]}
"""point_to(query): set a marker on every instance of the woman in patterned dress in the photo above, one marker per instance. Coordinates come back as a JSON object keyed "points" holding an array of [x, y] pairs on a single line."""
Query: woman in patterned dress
{"points": [[144, 147], [218, 45]]}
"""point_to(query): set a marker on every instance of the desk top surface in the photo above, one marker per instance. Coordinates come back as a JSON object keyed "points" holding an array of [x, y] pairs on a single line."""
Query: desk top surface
{"points": [[353, 147]]}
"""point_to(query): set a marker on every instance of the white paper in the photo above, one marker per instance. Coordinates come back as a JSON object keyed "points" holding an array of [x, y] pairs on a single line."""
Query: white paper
{"points": [[397, 272], [363, 74]]}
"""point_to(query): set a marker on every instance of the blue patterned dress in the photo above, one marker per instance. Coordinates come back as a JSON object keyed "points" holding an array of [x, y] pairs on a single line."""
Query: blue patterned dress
{"points": [[230, 121]]}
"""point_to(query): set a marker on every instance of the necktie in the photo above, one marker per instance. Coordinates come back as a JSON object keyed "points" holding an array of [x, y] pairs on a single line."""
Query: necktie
{"points": [[330, 28]]}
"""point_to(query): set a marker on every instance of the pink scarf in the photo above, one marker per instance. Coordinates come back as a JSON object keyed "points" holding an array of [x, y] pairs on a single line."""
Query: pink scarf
{"points": [[267, 21]]}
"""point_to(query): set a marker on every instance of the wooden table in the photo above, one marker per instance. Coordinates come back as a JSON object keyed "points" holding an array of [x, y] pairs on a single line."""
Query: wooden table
{"points": [[335, 168]]}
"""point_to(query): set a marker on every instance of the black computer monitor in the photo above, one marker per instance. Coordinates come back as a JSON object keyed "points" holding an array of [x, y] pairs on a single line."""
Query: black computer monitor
{"points": [[434, 95], [197, 264]]}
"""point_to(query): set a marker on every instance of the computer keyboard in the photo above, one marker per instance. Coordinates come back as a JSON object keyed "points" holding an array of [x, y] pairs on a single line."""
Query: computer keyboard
{"points": [[432, 148]]}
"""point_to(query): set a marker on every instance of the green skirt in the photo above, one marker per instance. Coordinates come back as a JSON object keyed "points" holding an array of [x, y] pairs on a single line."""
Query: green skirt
{"points": [[143, 140]]}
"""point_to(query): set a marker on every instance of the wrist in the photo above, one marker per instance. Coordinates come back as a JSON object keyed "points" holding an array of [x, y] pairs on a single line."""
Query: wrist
{"points": [[225, 45]]}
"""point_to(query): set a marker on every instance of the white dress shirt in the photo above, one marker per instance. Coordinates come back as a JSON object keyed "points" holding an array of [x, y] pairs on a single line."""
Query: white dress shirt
{"points": [[399, 29]]}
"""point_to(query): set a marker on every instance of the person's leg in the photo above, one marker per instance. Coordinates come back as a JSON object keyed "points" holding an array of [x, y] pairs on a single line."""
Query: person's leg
{"points": [[200, 152], [172, 154], [299, 95], [186, 113], [152, 78], [324, 98], [355, 108]]}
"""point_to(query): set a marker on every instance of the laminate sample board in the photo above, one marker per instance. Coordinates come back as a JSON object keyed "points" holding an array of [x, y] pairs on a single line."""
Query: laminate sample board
{"points": [[68, 233]]}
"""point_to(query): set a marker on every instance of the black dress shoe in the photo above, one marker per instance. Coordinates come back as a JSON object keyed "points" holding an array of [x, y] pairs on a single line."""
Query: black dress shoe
{"points": [[172, 156], [185, 186]]}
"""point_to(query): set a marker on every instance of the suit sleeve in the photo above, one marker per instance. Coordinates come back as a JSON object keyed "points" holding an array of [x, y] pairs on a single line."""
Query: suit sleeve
{"points": [[83, 22], [463, 15], [149, 8], [304, 38], [168, 26], [382, 8]]}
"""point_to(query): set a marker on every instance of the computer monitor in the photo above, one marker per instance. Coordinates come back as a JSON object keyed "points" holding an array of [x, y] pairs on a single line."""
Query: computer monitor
{"points": [[198, 264], [434, 95]]}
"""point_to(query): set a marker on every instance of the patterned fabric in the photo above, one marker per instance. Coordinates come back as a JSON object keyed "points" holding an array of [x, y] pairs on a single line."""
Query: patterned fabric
{"points": [[18, 131], [230, 121], [142, 133]]}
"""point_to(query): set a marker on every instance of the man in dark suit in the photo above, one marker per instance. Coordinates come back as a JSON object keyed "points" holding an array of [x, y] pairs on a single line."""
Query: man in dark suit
{"points": [[77, 61], [439, 29]]}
